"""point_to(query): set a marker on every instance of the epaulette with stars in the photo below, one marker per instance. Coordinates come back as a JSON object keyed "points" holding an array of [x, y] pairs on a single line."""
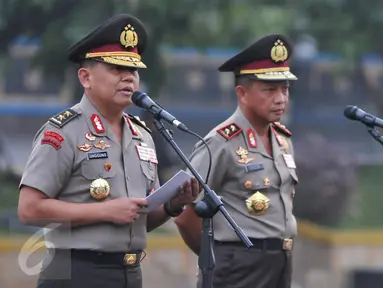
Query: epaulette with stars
{"points": [[229, 131], [282, 128], [63, 118], [136, 120]]}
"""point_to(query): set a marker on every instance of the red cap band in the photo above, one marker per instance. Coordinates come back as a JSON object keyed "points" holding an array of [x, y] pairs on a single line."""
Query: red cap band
{"points": [[263, 64], [112, 48]]}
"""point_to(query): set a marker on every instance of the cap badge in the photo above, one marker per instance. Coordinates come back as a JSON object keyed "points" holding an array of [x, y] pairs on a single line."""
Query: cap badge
{"points": [[279, 52], [128, 37]]}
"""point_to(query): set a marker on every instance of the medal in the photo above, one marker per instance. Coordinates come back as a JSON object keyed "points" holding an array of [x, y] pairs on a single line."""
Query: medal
{"points": [[257, 204], [99, 189], [101, 145], [84, 147], [107, 167], [90, 136], [241, 152]]}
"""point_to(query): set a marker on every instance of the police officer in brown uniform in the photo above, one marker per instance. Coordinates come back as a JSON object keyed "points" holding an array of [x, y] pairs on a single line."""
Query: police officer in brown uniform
{"points": [[253, 169], [92, 166]]}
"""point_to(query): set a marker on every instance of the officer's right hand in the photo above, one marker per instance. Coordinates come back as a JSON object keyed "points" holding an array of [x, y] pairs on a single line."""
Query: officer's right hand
{"points": [[124, 210]]}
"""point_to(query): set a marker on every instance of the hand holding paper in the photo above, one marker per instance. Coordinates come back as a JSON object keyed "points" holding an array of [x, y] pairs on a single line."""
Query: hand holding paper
{"points": [[171, 191]]}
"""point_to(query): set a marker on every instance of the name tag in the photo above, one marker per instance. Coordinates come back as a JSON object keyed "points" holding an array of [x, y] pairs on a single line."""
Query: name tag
{"points": [[254, 167], [147, 154], [290, 163], [97, 155]]}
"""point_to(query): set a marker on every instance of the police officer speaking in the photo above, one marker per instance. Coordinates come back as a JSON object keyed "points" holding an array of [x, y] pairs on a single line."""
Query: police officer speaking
{"points": [[253, 169], [92, 166]]}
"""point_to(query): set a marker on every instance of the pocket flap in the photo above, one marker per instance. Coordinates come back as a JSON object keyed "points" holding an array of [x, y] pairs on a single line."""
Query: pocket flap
{"points": [[149, 169], [94, 169]]}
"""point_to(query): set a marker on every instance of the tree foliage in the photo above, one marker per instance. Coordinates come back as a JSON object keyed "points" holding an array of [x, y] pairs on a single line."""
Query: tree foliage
{"points": [[350, 28], [183, 23]]}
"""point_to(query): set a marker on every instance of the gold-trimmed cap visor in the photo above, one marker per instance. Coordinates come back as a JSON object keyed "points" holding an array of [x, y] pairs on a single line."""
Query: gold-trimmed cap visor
{"points": [[114, 54], [267, 70]]}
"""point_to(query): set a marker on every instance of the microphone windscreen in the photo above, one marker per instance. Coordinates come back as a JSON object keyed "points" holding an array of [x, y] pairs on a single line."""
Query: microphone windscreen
{"points": [[137, 98], [350, 112]]}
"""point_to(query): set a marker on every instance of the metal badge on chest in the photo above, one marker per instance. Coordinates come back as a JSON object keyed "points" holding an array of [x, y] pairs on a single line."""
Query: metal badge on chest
{"points": [[258, 203], [99, 189]]}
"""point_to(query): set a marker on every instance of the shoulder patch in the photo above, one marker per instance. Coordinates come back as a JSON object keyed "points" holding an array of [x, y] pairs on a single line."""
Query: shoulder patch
{"points": [[282, 128], [229, 131], [136, 120], [63, 118]]}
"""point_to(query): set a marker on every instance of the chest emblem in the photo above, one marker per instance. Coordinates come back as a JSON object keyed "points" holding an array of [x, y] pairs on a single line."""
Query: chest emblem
{"points": [[99, 189], [90, 136], [257, 204], [102, 145], [242, 153], [85, 147]]}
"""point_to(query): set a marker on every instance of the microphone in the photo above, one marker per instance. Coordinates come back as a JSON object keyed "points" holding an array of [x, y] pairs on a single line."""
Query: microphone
{"points": [[355, 113], [142, 100]]}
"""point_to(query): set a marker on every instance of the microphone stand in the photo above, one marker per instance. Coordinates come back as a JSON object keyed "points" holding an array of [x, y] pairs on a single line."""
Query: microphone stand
{"points": [[206, 209], [375, 134]]}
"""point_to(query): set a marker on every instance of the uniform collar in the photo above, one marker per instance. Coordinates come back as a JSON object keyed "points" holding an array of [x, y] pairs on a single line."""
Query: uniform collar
{"points": [[96, 122], [98, 125], [253, 141]]}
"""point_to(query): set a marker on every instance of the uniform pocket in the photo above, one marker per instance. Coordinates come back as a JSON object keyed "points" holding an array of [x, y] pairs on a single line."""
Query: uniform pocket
{"points": [[224, 255], [94, 169], [134, 276], [149, 169]]}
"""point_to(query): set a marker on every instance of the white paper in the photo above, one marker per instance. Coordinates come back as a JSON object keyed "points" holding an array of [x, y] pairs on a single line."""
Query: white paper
{"points": [[166, 191]]}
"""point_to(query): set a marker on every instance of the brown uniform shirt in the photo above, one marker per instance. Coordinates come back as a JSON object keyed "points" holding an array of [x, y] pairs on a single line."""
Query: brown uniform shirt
{"points": [[273, 176], [77, 147]]}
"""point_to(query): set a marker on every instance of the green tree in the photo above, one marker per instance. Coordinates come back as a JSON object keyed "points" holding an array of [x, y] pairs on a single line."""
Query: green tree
{"points": [[183, 23]]}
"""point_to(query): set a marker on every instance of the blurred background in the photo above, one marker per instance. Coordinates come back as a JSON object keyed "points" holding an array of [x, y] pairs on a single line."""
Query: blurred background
{"points": [[338, 59]]}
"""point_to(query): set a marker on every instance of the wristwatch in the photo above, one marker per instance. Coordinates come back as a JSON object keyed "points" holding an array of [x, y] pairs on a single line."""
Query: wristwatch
{"points": [[172, 213]]}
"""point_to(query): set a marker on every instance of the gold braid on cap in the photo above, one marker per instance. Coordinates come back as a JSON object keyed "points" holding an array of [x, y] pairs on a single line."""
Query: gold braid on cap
{"points": [[110, 54]]}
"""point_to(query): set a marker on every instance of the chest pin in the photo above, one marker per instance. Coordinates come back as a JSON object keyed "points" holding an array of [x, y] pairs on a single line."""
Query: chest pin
{"points": [[99, 189], [242, 153]]}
